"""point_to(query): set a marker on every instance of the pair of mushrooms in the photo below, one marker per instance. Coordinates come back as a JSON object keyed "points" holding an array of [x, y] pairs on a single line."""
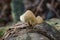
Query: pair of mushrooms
{"points": [[30, 18]]}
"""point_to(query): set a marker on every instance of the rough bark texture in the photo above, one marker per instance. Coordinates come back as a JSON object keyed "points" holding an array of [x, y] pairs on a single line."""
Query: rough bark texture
{"points": [[22, 31]]}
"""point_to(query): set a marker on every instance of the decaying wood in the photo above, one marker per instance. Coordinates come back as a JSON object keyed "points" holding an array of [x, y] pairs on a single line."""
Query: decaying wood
{"points": [[44, 29], [49, 31]]}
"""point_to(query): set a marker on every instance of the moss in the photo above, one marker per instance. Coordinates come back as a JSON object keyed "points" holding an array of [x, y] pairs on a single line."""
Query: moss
{"points": [[1, 32]]}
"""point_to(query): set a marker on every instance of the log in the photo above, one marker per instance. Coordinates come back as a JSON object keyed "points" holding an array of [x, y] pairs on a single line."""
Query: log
{"points": [[44, 29]]}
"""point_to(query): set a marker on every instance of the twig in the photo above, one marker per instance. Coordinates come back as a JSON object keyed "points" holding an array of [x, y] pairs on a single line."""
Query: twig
{"points": [[39, 6]]}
